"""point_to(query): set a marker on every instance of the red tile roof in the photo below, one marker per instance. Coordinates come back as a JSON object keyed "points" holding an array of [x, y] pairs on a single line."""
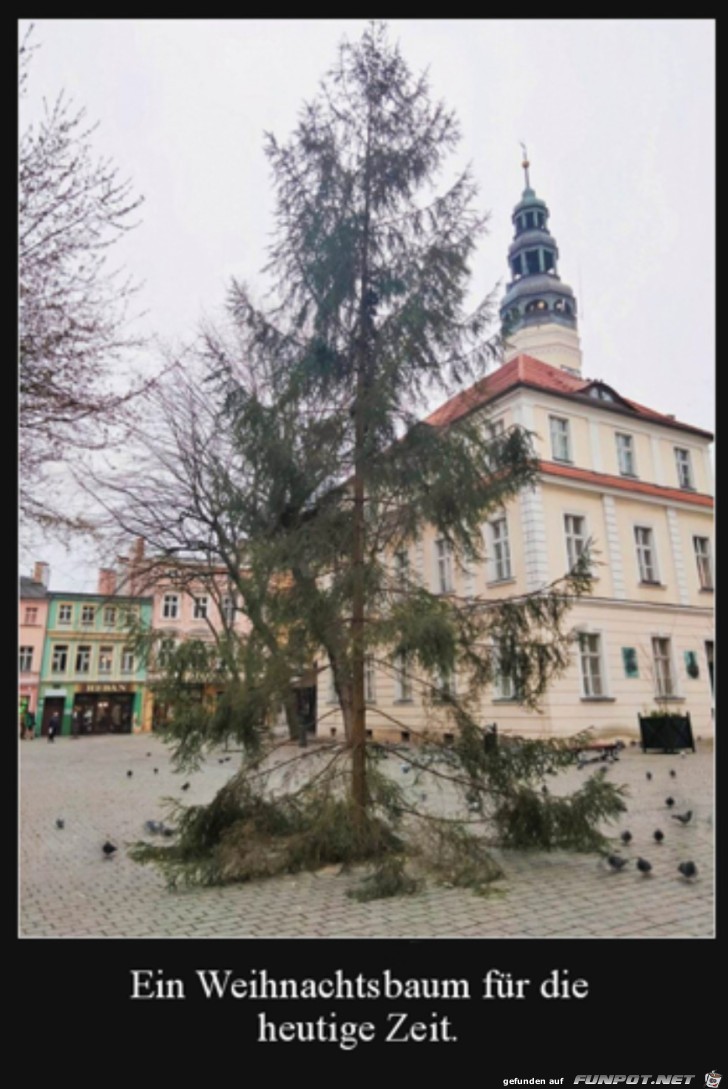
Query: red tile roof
{"points": [[524, 370], [629, 484]]}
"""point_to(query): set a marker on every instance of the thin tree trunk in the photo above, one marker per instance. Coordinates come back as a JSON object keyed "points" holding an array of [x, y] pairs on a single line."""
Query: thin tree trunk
{"points": [[358, 711]]}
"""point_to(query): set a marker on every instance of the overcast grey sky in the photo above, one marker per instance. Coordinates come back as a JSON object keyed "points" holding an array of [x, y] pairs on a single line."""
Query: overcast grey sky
{"points": [[618, 116]]}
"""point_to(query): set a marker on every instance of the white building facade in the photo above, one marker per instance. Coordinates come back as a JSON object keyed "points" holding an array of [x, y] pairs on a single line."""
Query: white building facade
{"points": [[634, 483]]}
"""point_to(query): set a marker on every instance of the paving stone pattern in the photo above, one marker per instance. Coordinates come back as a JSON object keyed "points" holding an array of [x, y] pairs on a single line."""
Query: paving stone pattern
{"points": [[68, 889]]}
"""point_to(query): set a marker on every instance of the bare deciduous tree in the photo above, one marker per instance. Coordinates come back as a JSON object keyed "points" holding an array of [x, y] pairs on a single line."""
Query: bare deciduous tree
{"points": [[73, 309]]}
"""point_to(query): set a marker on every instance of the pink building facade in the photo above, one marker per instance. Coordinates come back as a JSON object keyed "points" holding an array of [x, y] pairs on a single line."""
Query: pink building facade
{"points": [[32, 628]]}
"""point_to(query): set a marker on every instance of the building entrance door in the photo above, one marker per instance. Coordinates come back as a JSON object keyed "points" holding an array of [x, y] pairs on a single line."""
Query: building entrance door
{"points": [[50, 706]]}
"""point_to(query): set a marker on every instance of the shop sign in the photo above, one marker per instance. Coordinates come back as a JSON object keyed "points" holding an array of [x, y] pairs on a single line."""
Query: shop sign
{"points": [[105, 688]]}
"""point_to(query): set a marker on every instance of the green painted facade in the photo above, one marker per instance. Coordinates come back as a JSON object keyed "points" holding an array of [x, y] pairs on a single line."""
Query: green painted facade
{"points": [[88, 663]]}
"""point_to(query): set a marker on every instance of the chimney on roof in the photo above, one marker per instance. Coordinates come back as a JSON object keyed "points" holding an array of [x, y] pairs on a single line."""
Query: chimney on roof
{"points": [[107, 581], [42, 574]]}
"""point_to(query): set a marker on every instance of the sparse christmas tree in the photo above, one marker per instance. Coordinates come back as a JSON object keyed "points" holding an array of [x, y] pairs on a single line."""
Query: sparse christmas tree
{"points": [[316, 470]]}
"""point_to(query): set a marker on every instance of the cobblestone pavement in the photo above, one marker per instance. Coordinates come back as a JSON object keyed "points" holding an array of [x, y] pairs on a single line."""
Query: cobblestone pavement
{"points": [[67, 888]]}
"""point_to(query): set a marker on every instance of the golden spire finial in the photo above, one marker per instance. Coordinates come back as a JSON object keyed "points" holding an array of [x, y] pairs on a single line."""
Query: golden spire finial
{"points": [[525, 164]]}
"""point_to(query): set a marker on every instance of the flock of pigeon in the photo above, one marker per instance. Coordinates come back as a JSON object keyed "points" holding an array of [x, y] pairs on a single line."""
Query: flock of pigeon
{"points": [[688, 870], [153, 828]]}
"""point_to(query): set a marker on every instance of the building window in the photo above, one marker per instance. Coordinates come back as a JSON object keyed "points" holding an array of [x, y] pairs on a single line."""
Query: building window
{"points": [[106, 659], [575, 530], [83, 659], [501, 550], [26, 659], [127, 660], [504, 687], [590, 652], [625, 455], [170, 607], [684, 469], [129, 618], [704, 562], [402, 680], [560, 441], [88, 613], [446, 687], [228, 609], [109, 617], [370, 693], [65, 613], [496, 435], [59, 659], [166, 650], [646, 562], [444, 566], [200, 608], [31, 615], [662, 659]]}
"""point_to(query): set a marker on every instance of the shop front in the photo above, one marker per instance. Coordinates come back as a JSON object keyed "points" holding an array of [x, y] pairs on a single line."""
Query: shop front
{"points": [[106, 708], [95, 708]]}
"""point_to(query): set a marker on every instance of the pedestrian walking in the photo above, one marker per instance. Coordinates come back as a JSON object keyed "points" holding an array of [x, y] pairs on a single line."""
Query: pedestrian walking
{"points": [[30, 724], [54, 725]]}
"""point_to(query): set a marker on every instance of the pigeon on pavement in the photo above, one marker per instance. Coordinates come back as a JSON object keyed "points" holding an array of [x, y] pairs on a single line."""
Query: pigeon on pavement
{"points": [[108, 849], [626, 836], [684, 818], [669, 802], [185, 786], [688, 870], [616, 862], [129, 774], [60, 823], [658, 836], [644, 866]]}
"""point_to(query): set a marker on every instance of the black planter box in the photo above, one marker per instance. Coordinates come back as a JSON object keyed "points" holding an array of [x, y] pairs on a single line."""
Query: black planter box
{"points": [[666, 732]]}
